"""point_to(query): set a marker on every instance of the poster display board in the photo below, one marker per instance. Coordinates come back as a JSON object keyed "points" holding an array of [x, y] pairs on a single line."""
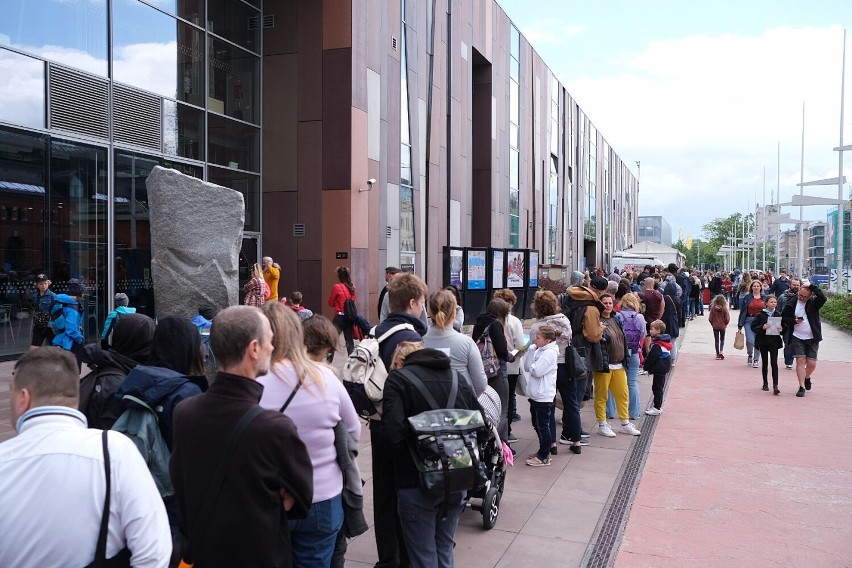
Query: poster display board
{"points": [[533, 269], [457, 268], [516, 269], [476, 269], [498, 263]]}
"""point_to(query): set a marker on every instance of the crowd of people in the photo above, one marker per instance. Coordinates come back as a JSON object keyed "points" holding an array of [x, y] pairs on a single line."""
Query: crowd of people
{"points": [[276, 421]]}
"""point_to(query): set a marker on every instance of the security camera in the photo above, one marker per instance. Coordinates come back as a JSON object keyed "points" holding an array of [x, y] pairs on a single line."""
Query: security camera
{"points": [[371, 181]]}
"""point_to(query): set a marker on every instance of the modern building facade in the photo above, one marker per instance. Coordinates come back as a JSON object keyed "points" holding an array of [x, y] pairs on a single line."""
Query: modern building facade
{"points": [[816, 248], [654, 229], [833, 234], [470, 138]]}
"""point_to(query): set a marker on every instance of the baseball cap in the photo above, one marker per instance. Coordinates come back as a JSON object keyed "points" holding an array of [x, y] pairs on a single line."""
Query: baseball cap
{"points": [[42, 278], [599, 282]]}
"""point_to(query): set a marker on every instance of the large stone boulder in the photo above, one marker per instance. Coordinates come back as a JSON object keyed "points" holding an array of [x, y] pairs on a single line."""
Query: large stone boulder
{"points": [[196, 234]]}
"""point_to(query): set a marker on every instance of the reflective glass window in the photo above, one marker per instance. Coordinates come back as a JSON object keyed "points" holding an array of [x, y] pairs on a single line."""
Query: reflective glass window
{"points": [[406, 219], [23, 218], [235, 21], [183, 130], [71, 32], [155, 52], [513, 168], [513, 135], [232, 144], [22, 90], [133, 231], [78, 205], [514, 69], [191, 10], [234, 78], [405, 164], [514, 99], [188, 169], [515, 39], [245, 183]]}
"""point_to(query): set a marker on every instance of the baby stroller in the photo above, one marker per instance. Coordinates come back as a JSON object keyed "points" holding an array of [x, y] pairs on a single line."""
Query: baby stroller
{"points": [[486, 499]]}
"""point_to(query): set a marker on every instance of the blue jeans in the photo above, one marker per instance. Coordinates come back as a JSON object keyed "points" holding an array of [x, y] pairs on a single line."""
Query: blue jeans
{"points": [[428, 538], [541, 416], [313, 538], [632, 368]]}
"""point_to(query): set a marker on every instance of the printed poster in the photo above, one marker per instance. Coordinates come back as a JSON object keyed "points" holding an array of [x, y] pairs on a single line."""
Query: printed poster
{"points": [[497, 270], [457, 268], [516, 269], [476, 270], [533, 269]]}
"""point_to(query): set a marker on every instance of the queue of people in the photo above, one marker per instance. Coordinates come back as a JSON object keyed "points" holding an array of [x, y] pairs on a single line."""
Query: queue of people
{"points": [[278, 422]]}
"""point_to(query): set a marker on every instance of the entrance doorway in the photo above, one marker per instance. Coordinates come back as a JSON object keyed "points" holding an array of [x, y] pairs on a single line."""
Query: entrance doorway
{"points": [[249, 255]]}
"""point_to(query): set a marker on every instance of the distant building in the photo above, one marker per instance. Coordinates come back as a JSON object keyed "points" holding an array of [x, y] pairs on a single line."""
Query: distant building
{"points": [[816, 248], [655, 229], [832, 236]]}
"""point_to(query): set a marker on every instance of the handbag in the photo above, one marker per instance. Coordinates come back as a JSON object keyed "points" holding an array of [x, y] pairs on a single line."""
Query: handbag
{"points": [[576, 363], [490, 361], [521, 386], [739, 340], [41, 319]]}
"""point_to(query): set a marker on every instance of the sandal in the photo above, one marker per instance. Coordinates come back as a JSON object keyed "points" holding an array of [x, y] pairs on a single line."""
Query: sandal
{"points": [[536, 462]]}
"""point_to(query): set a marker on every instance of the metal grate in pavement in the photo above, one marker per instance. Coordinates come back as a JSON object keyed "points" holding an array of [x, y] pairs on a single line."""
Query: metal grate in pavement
{"points": [[607, 536]]}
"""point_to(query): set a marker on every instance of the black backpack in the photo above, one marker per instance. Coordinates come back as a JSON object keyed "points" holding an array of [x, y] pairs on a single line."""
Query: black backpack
{"points": [[350, 311]]}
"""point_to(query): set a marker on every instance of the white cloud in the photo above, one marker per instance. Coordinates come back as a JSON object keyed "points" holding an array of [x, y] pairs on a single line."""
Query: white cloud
{"points": [[705, 114], [22, 94]]}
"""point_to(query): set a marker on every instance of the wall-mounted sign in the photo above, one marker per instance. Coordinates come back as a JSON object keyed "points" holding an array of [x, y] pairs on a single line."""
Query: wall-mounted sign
{"points": [[341, 255], [533, 269]]}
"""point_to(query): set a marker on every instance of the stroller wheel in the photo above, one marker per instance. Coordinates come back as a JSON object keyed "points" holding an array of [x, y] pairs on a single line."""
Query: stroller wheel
{"points": [[490, 508]]}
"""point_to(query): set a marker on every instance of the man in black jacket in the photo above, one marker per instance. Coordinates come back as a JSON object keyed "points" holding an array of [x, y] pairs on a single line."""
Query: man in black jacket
{"points": [[803, 331], [270, 477], [428, 533], [406, 296]]}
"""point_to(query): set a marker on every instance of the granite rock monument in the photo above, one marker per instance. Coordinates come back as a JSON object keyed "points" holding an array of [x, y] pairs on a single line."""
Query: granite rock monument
{"points": [[196, 234]]}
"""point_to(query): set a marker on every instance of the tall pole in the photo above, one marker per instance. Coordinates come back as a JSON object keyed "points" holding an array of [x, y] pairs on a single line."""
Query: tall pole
{"points": [[841, 207], [763, 220], [778, 212], [800, 265]]}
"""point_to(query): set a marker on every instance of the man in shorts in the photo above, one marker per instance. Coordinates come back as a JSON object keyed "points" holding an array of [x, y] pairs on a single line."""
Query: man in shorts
{"points": [[803, 331]]}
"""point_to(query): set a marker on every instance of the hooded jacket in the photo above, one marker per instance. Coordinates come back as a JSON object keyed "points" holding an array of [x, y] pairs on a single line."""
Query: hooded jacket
{"points": [[719, 317], [69, 326], [402, 399], [812, 307], [659, 358], [388, 346], [540, 365], [583, 310]]}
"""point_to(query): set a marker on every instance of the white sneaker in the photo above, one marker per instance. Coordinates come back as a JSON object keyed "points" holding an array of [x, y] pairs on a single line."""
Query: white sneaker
{"points": [[653, 411], [629, 429], [606, 430]]}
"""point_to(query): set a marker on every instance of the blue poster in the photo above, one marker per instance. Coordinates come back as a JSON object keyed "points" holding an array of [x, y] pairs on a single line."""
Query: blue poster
{"points": [[476, 270], [456, 268], [533, 269]]}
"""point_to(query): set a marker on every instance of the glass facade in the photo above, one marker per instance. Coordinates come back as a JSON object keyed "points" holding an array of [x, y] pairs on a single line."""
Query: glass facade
{"points": [[407, 245], [591, 205], [514, 141], [193, 68], [553, 193]]}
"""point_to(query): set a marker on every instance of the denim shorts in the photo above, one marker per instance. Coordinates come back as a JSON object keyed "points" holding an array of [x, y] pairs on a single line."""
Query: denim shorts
{"points": [[804, 348]]}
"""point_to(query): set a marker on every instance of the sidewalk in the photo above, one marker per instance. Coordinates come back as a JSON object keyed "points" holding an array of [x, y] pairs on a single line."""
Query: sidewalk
{"points": [[738, 477]]}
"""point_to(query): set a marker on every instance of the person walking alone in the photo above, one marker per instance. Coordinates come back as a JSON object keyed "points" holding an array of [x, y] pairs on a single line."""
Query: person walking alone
{"points": [[719, 319]]}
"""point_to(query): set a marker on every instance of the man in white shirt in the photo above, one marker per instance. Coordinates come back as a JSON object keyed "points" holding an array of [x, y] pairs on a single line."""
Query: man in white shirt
{"points": [[53, 482], [803, 331]]}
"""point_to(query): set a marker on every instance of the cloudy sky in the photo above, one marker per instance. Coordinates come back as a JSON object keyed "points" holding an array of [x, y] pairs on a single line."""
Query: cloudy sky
{"points": [[703, 92]]}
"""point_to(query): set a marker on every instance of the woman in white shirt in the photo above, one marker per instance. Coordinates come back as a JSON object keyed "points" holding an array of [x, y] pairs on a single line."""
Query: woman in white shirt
{"points": [[515, 337]]}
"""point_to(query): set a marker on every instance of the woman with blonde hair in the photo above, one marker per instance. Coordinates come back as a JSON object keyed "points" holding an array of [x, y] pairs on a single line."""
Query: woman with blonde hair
{"points": [[255, 288], [311, 395], [462, 351], [635, 328]]}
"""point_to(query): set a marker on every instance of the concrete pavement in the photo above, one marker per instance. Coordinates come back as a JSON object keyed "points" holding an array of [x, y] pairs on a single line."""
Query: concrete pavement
{"points": [[734, 475]]}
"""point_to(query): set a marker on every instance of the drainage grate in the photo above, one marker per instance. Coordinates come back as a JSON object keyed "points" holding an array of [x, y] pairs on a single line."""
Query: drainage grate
{"points": [[604, 544]]}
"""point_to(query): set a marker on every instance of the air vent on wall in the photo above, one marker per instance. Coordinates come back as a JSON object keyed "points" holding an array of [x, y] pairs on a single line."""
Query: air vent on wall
{"points": [[298, 229], [78, 102], [389, 232], [393, 42], [268, 22], [137, 118]]}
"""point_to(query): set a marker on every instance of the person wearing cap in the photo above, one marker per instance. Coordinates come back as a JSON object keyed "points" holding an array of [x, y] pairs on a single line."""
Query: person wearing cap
{"points": [[42, 302], [122, 303], [68, 325]]}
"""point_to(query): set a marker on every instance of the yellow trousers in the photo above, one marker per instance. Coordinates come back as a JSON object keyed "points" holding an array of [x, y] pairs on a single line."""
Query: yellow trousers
{"points": [[615, 382]]}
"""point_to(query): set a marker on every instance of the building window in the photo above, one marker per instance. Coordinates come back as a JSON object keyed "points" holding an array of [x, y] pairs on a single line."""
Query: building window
{"points": [[22, 90], [407, 245], [514, 139]]}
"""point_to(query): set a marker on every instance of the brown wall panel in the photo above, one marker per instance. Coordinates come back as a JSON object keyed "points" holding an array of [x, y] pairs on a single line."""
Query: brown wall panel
{"points": [[279, 127], [360, 175], [337, 118], [310, 165], [310, 60], [279, 214], [283, 38], [336, 24], [336, 229]]}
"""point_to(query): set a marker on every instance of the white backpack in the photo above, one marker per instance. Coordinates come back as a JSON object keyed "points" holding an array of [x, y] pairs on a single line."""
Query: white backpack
{"points": [[364, 373]]}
